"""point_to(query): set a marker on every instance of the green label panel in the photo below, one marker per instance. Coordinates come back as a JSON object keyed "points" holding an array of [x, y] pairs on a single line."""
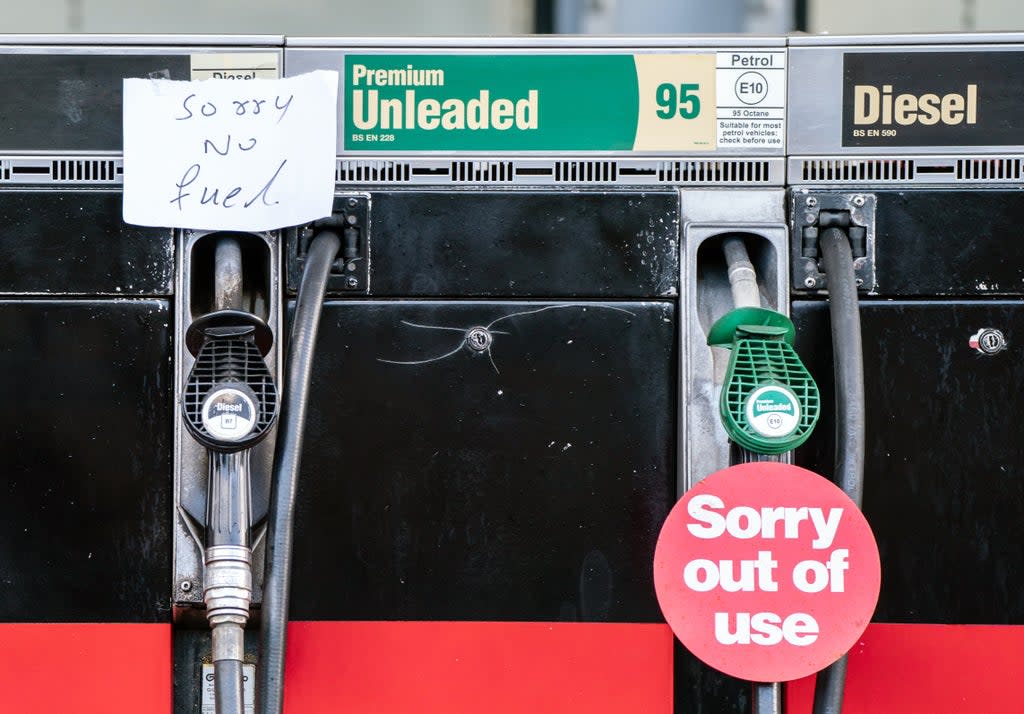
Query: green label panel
{"points": [[648, 102]]}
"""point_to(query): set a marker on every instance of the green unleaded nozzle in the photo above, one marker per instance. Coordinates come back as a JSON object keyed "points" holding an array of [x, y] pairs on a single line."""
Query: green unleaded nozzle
{"points": [[769, 402]]}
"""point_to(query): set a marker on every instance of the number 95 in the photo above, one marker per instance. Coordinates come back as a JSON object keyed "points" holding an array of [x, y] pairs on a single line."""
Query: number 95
{"points": [[683, 103]]}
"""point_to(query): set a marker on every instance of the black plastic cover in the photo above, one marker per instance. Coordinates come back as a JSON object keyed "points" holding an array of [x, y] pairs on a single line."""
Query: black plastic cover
{"points": [[72, 242], [58, 102], [942, 486], [85, 443], [526, 481], [955, 243], [521, 244]]}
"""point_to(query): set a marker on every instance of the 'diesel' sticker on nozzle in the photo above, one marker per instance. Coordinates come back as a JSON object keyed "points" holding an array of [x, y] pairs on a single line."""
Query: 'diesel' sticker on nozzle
{"points": [[229, 414], [773, 411]]}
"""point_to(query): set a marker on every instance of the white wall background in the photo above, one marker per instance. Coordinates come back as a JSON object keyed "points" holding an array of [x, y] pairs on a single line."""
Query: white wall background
{"points": [[279, 17], [873, 16], [472, 17]]}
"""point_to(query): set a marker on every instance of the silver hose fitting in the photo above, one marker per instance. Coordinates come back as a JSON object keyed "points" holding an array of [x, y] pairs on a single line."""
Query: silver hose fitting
{"points": [[228, 642], [228, 581]]}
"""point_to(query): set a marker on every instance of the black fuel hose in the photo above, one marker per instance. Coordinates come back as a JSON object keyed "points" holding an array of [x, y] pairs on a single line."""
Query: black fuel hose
{"points": [[848, 358], [287, 456]]}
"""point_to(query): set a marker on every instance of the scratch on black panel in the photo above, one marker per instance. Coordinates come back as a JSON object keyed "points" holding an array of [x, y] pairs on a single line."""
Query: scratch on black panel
{"points": [[480, 338]]}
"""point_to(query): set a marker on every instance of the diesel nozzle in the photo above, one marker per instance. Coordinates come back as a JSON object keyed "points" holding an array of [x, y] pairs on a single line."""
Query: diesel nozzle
{"points": [[230, 400], [229, 404]]}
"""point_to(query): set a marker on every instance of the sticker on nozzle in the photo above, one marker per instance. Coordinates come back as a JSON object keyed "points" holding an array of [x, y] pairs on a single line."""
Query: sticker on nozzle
{"points": [[229, 414], [773, 411], [209, 703]]}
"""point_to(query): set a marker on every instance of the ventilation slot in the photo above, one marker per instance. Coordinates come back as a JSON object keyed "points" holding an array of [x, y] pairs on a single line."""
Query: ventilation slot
{"points": [[482, 171], [5, 171], [988, 169], [372, 172], [586, 171], [431, 171], [732, 172], [858, 170], [534, 171], [83, 170]]}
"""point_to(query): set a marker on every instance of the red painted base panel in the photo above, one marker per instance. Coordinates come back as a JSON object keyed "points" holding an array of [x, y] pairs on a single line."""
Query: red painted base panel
{"points": [[499, 668], [938, 669], [474, 667], [85, 668]]}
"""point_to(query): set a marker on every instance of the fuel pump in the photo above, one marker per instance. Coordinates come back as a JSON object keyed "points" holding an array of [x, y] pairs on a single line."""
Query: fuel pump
{"points": [[228, 322], [512, 339], [900, 222], [229, 405], [769, 403], [498, 376], [88, 547], [735, 299]]}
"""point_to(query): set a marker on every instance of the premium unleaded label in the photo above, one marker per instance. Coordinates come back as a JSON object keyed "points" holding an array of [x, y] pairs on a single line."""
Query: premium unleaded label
{"points": [[659, 102]]}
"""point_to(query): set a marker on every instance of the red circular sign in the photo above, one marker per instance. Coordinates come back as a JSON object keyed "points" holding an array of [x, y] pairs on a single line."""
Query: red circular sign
{"points": [[767, 571]]}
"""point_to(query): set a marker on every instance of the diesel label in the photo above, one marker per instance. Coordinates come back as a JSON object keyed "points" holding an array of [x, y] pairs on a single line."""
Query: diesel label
{"points": [[940, 99], [874, 105]]}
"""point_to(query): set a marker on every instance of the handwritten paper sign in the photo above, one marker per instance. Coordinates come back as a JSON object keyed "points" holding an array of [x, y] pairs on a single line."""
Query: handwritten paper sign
{"points": [[222, 154]]}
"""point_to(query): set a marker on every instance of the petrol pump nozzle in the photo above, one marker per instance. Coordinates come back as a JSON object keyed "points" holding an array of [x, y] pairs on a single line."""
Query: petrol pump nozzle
{"points": [[769, 403]]}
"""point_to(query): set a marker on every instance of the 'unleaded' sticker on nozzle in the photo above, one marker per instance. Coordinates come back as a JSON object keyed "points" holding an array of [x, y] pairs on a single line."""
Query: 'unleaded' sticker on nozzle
{"points": [[773, 411]]}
